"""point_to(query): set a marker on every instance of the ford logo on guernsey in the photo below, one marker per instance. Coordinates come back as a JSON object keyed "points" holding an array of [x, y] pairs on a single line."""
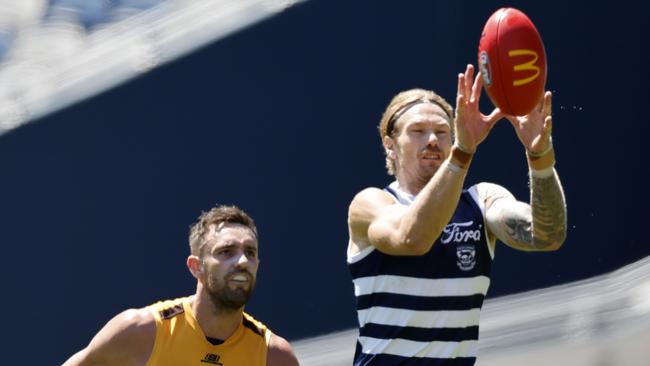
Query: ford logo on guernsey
{"points": [[458, 233]]}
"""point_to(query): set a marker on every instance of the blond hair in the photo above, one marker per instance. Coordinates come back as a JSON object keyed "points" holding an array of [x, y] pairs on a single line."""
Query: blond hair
{"points": [[403, 102]]}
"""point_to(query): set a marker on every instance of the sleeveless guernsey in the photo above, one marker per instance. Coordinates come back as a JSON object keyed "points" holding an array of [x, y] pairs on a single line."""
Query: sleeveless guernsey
{"points": [[180, 340], [424, 310]]}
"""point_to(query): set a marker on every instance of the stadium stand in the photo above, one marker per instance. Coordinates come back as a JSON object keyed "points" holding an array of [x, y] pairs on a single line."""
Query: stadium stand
{"points": [[53, 54]]}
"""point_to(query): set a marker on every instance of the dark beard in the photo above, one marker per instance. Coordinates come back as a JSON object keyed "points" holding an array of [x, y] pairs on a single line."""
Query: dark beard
{"points": [[226, 299]]}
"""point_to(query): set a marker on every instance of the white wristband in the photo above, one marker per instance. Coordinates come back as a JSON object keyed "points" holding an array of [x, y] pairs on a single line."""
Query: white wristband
{"points": [[543, 173], [453, 167]]}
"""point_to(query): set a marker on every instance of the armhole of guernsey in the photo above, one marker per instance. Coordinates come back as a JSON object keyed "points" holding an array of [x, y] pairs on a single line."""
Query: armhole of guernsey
{"points": [[161, 311], [473, 192], [267, 337], [259, 329], [155, 350], [360, 255], [267, 341]]}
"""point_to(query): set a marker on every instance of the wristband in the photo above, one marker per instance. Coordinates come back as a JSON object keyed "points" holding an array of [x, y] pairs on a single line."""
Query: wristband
{"points": [[463, 148], [541, 162], [540, 154], [459, 158], [453, 167], [544, 173]]}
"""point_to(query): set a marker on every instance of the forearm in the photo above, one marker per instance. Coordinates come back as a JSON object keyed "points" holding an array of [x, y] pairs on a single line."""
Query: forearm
{"points": [[436, 203], [549, 216]]}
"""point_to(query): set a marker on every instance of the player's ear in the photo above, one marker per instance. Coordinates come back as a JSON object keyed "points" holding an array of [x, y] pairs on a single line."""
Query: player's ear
{"points": [[389, 146], [194, 265]]}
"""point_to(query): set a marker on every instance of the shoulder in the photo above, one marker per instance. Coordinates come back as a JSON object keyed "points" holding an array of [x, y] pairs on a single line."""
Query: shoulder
{"points": [[366, 207], [127, 338], [280, 352], [365, 204], [132, 330], [372, 194], [168, 308], [135, 322]]}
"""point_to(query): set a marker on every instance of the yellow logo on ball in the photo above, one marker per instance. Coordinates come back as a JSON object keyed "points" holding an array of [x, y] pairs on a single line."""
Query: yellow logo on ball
{"points": [[530, 65]]}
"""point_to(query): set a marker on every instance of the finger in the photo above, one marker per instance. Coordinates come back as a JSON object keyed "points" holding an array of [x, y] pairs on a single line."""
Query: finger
{"points": [[469, 75], [461, 87], [548, 96], [476, 88], [460, 95], [460, 106]]}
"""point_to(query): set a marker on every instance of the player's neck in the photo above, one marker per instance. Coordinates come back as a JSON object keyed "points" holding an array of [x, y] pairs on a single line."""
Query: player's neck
{"points": [[215, 323], [410, 186]]}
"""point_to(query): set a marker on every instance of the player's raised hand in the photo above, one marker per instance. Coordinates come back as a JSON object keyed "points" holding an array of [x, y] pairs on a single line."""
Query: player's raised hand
{"points": [[534, 129], [472, 126]]}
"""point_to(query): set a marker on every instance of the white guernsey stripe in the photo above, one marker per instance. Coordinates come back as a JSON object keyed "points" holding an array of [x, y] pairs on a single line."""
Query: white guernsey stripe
{"points": [[405, 348], [421, 286], [421, 319]]}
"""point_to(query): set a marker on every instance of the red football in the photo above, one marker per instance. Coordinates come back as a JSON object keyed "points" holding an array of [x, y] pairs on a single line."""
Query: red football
{"points": [[512, 60]]}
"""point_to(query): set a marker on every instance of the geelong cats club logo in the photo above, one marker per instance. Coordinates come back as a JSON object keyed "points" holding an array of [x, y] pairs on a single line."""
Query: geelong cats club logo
{"points": [[466, 255]]}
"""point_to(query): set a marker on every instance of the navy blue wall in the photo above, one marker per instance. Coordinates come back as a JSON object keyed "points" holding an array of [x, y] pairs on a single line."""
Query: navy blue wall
{"points": [[280, 119]]}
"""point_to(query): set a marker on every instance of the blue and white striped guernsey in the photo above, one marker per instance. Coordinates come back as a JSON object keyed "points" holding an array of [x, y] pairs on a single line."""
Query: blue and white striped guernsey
{"points": [[424, 310]]}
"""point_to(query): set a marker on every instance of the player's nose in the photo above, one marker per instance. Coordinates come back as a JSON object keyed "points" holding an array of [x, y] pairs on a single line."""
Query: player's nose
{"points": [[432, 139]]}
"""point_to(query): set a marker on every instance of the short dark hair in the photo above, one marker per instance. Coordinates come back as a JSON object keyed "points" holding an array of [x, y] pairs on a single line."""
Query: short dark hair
{"points": [[217, 215]]}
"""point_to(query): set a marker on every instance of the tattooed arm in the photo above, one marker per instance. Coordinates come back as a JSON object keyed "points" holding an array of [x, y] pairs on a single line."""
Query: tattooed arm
{"points": [[538, 226]]}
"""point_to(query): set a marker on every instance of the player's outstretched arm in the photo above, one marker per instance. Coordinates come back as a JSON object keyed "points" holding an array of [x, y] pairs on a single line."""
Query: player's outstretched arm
{"points": [[544, 228], [126, 340], [376, 219]]}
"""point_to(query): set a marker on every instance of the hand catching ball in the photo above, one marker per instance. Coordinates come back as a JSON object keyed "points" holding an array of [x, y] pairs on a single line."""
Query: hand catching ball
{"points": [[512, 60]]}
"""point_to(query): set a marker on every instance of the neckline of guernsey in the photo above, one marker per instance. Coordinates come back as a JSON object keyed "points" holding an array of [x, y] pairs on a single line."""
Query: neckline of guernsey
{"points": [[214, 341], [402, 197]]}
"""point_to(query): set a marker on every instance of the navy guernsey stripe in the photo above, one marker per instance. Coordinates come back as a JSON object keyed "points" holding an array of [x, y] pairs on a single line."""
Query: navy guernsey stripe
{"points": [[409, 266], [419, 334], [422, 303], [393, 360]]}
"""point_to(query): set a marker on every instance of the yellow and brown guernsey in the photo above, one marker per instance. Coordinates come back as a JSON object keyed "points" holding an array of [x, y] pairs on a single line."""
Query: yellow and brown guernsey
{"points": [[180, 340]]}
